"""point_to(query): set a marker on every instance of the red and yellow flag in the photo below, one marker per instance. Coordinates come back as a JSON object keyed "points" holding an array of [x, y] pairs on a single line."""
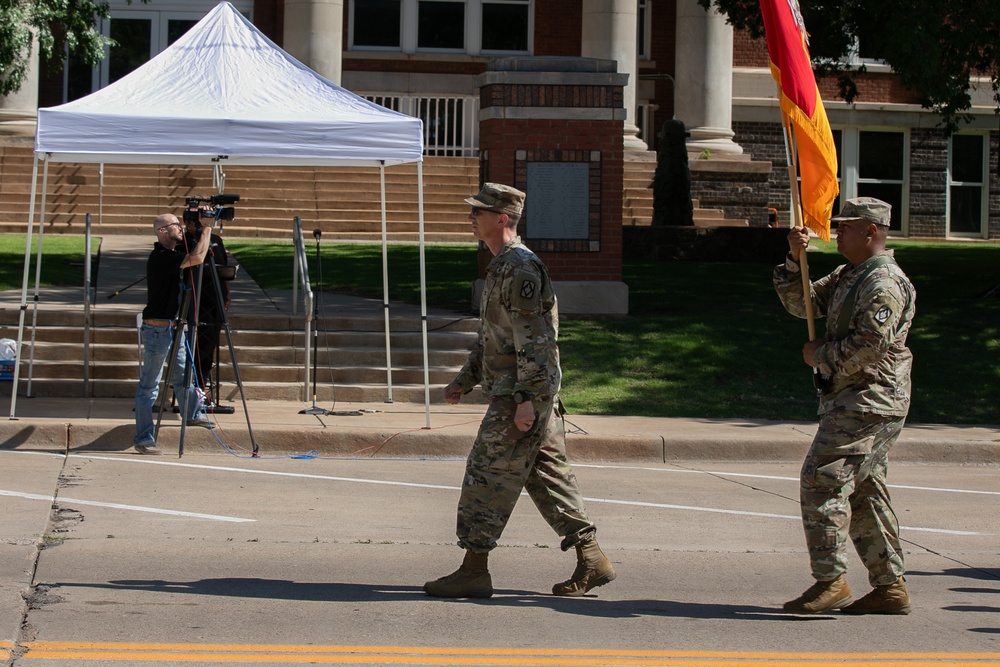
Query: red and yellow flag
{"points": [[801, 104]]}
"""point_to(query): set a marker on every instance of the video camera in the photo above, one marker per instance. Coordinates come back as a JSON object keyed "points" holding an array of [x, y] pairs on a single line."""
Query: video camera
{"points": [[220, 208]]}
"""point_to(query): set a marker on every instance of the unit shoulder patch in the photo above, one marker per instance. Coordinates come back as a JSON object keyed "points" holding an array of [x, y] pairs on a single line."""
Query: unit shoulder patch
{"points": [[525, 290], [883, 314]]}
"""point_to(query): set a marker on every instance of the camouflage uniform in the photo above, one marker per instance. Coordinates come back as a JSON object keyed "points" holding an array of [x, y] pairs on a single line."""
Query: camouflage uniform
{"points": [[862, 408], [517, 352]]}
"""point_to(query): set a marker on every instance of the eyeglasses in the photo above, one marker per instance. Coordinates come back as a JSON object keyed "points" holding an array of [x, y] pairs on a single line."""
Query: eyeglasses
{"points": [[476, 210], [172, 224]]}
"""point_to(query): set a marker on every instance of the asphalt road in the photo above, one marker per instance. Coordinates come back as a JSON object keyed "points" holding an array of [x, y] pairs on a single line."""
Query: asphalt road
{"points": [[118, 559]]}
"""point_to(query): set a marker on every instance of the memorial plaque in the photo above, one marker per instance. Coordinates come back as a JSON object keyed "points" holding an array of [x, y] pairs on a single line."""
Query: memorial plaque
{"points": [[558, 202]]}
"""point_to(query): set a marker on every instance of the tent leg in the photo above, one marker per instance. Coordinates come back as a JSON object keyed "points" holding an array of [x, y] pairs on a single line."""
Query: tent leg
{"points": [[385, 287], [100, 194], [38, 277], [86, 309], [423, 292], [24, 286]]}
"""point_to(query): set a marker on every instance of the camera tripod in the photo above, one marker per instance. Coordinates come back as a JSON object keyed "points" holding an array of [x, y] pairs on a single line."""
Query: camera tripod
{"points": [[180, 326]]}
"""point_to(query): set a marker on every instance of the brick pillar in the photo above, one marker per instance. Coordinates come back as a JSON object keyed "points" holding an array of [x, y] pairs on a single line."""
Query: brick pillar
{"points": [[553, 127]]}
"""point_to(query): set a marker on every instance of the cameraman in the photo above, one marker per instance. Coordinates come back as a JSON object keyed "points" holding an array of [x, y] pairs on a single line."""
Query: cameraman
{"points": [[163, 290], [209, 314]]}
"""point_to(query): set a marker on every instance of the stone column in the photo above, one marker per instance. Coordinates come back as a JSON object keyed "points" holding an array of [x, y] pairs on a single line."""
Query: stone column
{"points": [[703, 78], [19, 111], [314, 34], [609, 33]]}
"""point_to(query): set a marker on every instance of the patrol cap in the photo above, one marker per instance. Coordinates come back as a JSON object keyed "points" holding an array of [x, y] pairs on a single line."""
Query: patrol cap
{"points": [[865, 208], [500, 198]]}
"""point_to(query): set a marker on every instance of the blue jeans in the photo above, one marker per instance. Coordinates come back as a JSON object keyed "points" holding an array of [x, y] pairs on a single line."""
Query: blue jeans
{"points": [[156, 342]]}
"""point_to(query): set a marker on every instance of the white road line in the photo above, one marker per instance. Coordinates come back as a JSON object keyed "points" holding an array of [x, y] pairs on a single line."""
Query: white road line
{"points": [[359, 480], [775, 477], [756, 514], [300, 475], [119, 506]]}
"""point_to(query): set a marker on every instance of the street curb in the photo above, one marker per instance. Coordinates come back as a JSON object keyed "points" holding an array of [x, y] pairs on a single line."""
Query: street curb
{"points": [[107, 435]]}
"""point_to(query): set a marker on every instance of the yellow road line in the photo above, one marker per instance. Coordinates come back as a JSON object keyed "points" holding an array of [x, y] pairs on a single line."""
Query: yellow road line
{"points": [[543, 657]]}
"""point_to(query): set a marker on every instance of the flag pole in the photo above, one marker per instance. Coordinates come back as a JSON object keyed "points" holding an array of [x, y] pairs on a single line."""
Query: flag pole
{"points": [[793, 182]]}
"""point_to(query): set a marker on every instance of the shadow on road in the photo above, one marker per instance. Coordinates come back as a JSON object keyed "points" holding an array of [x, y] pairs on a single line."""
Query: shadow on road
{"points": [[591, 605]]}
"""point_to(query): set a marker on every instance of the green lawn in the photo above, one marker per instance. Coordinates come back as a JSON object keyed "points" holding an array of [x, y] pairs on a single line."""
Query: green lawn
{"points": [[351, 268], [711, 339], [61, 265], [702, 340]]}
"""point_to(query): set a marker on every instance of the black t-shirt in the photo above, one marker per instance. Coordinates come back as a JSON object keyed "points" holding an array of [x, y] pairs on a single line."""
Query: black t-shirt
{"points": [[209, 310], [163, 283]]}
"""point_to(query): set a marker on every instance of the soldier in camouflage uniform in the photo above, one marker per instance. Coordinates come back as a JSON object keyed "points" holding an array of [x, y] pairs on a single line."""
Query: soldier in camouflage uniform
{"points": [[862, 370], [521, 443]]}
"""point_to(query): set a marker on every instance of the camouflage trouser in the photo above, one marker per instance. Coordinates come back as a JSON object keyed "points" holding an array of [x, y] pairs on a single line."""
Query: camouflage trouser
{"points": [[503, 461], [843, 494]]}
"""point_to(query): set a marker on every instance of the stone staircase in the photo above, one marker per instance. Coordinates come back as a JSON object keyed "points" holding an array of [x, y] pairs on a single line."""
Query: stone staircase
{"points": [[639, 170], [344, 202], [270, 353]]}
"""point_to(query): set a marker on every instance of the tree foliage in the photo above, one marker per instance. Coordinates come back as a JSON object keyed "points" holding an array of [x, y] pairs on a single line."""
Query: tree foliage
{"points": [[50, 26], [937, 47]]}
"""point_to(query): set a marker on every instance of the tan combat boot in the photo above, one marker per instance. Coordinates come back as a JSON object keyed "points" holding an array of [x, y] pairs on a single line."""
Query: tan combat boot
{"points": [[822, 596], [471, 580], [593, 569], [889, 599]]}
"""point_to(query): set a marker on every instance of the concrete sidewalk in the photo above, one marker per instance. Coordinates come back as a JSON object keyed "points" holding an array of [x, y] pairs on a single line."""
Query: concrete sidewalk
{"points": [[281, 428]]}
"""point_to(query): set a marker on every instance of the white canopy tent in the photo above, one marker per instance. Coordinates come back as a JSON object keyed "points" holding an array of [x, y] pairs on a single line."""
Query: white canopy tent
{"points": [[225, 94]]}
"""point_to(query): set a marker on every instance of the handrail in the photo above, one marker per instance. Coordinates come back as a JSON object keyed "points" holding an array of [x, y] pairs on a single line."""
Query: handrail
{"points": [[450, 122], [301, 275]]}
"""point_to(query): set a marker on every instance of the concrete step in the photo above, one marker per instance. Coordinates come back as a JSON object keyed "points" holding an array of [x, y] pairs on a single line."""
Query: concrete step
{"points": [[118, 319], [722, 222], [329, 353], [326, 393], [276, 232], [638, 200], [270, 352], [344, 202], [70, 371]]}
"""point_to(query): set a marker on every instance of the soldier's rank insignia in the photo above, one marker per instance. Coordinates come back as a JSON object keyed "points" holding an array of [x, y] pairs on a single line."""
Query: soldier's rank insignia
{"points": [[883, 314], [527, 289]]}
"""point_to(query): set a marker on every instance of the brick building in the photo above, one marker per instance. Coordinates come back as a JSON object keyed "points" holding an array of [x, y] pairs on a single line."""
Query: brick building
{"points": [[424, 57]]}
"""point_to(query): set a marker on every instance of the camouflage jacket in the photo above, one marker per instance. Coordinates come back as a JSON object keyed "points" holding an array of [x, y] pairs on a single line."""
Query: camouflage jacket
{"points": [[869, 368], [518, 327]]}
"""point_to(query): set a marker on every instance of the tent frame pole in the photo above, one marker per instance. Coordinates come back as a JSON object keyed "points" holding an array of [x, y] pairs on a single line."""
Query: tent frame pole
{"points": [[423, 291], [38, 276], [385, 285], [24, 286]]}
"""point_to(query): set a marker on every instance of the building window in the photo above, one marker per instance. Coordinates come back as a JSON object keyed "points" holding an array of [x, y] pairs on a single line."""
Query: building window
{"points": [[826, 43], [873, 163], [141, 34], [442, 26], [377, 23], [643, 30], [967, 185], [505, 26], [881, 165], [838, 142]]}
